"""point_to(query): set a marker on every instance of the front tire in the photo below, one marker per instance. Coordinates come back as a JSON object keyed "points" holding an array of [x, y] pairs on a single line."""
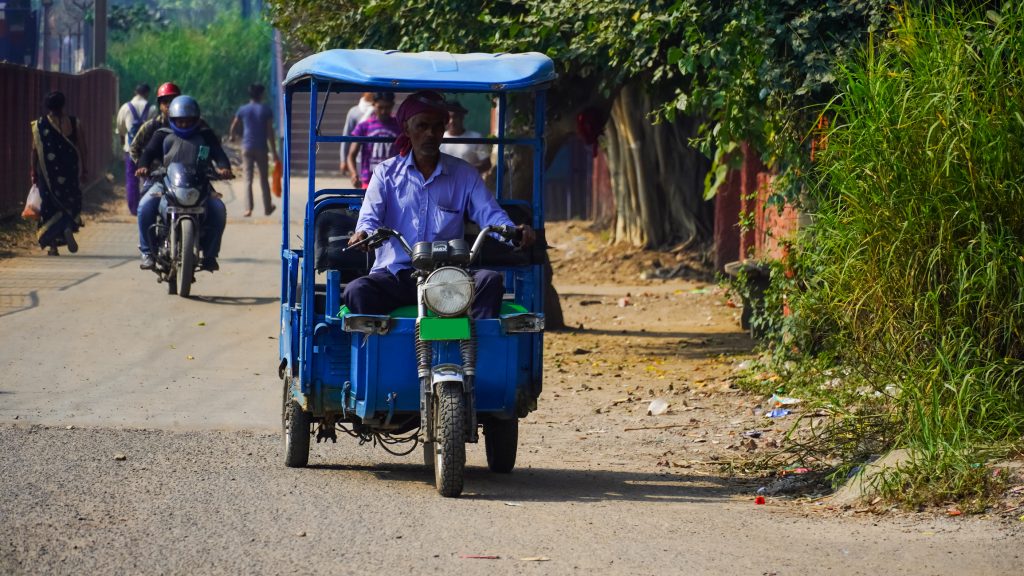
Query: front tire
{"points": [[501, 441], [295, 424], [450, 448], [187, 262]]}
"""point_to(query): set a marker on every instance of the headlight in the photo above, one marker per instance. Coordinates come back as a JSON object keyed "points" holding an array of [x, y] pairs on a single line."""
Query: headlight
{"points": [[448, 291], [186, 196]]}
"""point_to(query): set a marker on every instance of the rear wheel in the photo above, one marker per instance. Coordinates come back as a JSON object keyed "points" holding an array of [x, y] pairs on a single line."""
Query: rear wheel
{"points": [[172, 282], [501, 441], [450, 448], [295, 424], [187, 262]]}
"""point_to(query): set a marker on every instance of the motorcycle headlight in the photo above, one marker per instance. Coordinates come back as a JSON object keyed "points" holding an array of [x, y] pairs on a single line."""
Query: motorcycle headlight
{"points": [[186, 196], [448, 291]]}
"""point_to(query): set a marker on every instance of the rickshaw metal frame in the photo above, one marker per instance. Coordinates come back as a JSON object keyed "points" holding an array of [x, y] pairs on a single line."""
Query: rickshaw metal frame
{"points": [[299, 265]]}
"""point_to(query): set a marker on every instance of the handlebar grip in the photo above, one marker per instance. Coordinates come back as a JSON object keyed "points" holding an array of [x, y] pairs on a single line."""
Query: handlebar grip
{"points": [[511, 233]]}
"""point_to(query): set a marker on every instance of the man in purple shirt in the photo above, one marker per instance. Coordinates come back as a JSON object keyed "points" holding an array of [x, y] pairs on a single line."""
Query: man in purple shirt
{"points": [[424, 195], [380, 124]]}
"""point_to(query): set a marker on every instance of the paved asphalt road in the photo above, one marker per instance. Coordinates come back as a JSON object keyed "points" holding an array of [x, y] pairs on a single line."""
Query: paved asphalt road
{"points": [[98, 362]]}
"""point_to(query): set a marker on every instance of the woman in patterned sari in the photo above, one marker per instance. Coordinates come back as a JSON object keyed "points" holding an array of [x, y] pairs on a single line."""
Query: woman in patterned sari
{"points": [[58, 152]]}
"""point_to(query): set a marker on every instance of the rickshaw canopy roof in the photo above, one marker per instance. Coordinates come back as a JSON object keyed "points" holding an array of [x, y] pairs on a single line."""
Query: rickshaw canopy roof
{"points": [[404, 71]]}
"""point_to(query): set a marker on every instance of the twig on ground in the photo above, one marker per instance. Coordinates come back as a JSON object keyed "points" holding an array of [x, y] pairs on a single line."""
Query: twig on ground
{"points": [[663, 427]]}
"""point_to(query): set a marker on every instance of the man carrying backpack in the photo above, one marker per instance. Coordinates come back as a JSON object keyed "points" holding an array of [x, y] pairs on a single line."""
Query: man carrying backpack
{"points": [[132, 115]]}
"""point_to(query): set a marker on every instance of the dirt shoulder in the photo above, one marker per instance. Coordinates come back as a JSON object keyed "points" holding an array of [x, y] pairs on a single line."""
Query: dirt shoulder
{"points": [[103, 199], [634, 342], [637, 344]]}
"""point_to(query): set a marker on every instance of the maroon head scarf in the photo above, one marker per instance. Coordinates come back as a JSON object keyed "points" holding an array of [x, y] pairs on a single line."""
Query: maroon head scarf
{"points": [[418, 103]]}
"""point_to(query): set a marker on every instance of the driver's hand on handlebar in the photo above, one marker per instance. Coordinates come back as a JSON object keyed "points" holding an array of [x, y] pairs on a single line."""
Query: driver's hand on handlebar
{"points": [[359, 237], [225, 173], [142, 171], [528, 235]]}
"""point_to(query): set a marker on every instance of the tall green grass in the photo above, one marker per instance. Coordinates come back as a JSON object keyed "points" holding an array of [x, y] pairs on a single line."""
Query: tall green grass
{"points": [[215, 63], [917, 246]]}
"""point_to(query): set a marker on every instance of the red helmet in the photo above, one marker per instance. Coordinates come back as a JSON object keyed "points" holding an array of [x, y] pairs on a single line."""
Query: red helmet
{"points": [[168, 89]]}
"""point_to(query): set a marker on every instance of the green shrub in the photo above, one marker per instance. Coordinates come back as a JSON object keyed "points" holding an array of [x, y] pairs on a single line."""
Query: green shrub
{"points": [[917, 247], [215, 64]]}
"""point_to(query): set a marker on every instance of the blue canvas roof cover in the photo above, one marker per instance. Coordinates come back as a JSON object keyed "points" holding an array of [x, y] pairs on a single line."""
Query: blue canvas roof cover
{"points": [[419, 70]]}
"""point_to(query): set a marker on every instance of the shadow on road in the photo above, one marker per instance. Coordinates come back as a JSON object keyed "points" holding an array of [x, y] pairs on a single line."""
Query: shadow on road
{"points": [[236, 300], [686, 344], [562, 485]]}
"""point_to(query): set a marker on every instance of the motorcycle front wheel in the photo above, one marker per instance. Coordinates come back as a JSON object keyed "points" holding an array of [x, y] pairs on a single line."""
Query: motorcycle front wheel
{"points": [[187, 261], [450, 448]]}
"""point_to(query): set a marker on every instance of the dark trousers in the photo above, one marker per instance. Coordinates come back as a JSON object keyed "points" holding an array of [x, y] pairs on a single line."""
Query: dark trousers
{"points": [[382, 292]]}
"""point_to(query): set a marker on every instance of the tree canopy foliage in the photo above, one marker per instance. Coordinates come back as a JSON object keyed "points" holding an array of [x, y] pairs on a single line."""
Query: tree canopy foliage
{"points": [[214, 63], [749, 68]]}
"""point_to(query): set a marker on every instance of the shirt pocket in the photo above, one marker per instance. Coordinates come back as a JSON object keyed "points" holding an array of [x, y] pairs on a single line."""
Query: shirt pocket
{"points": [[447, 223]]}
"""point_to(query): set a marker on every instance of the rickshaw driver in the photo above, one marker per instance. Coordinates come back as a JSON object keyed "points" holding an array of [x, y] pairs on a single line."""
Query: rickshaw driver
{"points": [[423, 208]]}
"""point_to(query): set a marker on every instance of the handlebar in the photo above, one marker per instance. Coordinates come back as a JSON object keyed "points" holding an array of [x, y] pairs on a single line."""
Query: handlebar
{"points": [[375, 239], [378, 237]]}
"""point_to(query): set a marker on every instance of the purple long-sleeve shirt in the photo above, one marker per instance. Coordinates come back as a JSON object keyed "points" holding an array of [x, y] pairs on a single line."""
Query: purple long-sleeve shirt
{"points": [[399, 198]]}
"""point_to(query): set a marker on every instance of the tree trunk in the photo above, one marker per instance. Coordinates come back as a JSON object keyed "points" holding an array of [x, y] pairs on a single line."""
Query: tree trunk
{"points": [[657, 177]]}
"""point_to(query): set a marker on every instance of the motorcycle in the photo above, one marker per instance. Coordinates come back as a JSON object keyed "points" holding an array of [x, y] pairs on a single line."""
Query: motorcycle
{"points": [[448, 414], [177, 231]]}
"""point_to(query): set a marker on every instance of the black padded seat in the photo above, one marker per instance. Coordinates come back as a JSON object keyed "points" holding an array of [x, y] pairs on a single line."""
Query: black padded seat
{"points": [[334, 227]]}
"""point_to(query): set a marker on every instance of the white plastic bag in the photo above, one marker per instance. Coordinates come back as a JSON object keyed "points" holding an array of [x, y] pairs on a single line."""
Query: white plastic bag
{"points": [[33, 204]]}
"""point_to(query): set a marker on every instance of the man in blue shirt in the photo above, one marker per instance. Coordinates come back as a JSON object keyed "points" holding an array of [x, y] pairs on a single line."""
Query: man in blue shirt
{"points": [[257, 133], [424, 195]]}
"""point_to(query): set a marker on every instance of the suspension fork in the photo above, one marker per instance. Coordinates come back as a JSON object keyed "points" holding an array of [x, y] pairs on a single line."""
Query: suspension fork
{"points": [[468, 349], [424, 354]]}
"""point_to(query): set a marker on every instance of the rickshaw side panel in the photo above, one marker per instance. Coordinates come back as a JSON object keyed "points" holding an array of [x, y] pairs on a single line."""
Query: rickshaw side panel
{"points": [[383, 366]]}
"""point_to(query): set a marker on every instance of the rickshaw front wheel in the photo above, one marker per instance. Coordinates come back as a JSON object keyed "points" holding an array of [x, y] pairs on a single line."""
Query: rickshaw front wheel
{"points": [[295, 423], [501, 441], [450, 448]]}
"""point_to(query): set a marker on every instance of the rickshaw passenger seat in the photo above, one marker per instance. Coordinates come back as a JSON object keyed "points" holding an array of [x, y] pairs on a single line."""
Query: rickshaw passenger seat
{"points": [[333, 227]]}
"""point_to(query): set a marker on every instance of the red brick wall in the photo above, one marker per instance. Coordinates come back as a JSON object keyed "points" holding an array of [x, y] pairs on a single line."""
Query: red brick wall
{"points": [[746, 190]]}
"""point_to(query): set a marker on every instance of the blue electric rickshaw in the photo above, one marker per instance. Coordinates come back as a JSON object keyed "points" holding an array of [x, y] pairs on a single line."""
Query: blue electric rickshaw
{"points": [[425, 374]]}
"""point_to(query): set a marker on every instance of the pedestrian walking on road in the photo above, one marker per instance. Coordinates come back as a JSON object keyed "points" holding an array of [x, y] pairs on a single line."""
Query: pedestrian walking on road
{"points": [[257, 135], [130, 118], [356, 114], [58, 161]]}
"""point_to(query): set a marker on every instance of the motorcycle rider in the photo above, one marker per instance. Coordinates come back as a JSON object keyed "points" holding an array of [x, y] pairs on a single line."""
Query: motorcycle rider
{"points": [[167, 92], [181, 142]]}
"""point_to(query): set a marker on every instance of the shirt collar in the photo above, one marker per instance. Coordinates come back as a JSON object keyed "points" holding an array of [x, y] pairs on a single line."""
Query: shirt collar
{"points": [[409, 164]]}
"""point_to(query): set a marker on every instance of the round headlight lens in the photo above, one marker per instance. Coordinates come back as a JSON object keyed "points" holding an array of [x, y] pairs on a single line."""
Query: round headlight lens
{"points": [[448, 291]]}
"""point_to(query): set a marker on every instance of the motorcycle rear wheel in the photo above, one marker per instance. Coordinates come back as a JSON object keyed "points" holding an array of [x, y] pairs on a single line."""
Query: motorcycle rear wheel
{"points": [[172, 282], [187, 261], [450, 448]]}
